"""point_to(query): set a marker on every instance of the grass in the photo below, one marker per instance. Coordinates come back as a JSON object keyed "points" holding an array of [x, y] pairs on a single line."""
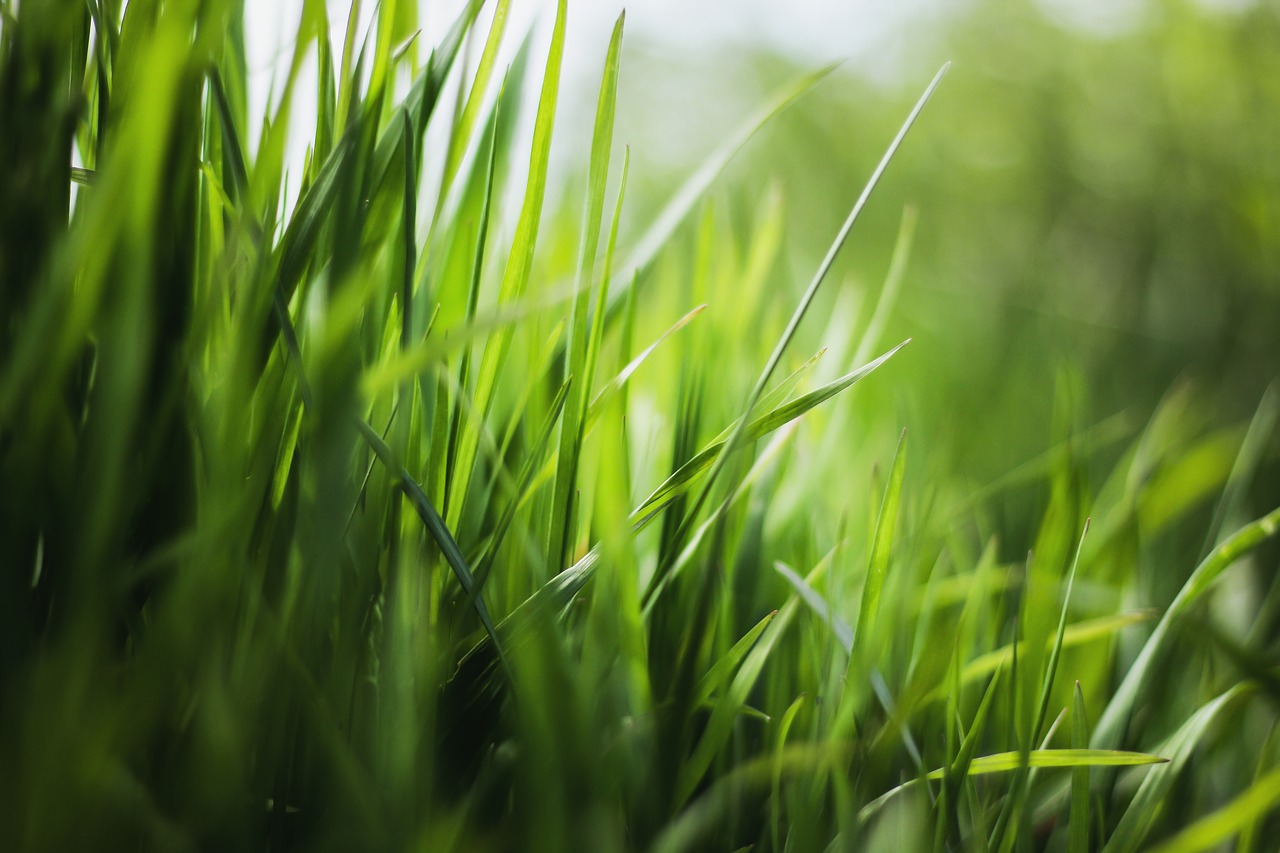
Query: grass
{"points": [[388, 518]]}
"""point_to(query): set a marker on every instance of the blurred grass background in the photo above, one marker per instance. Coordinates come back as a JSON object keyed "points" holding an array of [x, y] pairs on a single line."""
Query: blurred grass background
{"points": [[325, 473]]}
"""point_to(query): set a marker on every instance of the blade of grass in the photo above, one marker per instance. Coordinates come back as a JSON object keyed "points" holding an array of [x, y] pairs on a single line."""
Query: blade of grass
{"points": [[1114, 719], [519, 265], [1078, 826], [1138, 818], [881, 548], [562, 532], [759, 427], [439, 532], [801, 309]]}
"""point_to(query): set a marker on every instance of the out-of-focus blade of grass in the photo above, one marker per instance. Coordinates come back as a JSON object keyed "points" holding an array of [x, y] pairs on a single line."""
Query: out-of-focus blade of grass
{"points": [[1261, 428], [1115, 717], [881, 548], [1214, 829], [1148, 802], [519, 264], [465, 125], [686, 832], [892, 284], [563, 528], [1250, 832], [1078, 826], [840, 628], [1078, 634], [677, 208], [1005, 761]]}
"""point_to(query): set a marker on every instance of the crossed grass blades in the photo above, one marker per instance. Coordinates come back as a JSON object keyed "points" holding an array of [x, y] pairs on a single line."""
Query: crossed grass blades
{"points": [[327, 521]]}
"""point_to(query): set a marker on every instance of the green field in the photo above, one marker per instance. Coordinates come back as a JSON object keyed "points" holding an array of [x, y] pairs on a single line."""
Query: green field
{"points": [[432, 495]]}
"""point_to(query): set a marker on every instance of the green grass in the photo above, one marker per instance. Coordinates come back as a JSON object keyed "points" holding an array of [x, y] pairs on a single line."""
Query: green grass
{"points": [[390, 518]]}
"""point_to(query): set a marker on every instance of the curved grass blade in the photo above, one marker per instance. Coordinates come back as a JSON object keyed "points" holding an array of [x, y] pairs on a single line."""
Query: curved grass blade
{"points": [[759, 427], [1229, 821], [1148, 801], [439, 531]]}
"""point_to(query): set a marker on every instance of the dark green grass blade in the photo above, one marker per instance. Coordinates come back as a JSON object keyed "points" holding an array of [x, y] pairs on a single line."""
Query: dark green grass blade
{"points": [[436, 527], [1078, 828], [1218, 827], [523, 481]]}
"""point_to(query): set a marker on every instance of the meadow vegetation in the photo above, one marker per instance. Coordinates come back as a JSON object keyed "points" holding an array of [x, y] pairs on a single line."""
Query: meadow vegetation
{"points": [[408, 500]]}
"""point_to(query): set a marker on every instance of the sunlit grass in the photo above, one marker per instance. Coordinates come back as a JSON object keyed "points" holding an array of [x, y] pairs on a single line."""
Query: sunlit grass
{"points": [[391, 520]]}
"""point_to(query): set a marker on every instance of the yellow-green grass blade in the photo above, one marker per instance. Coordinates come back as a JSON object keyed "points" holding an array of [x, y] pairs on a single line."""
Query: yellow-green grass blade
{"points": [[1006, 761], [464, 127], [780, 392], [562, 530], [1078, 634], [519, 264]]}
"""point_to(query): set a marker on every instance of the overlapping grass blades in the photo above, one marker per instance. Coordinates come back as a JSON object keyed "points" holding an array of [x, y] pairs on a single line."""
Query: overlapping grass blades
{"points": [[329, 488]]}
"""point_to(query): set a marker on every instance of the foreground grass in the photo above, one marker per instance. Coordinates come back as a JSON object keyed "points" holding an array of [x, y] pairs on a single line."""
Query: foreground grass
{"points": [[394, 519]]}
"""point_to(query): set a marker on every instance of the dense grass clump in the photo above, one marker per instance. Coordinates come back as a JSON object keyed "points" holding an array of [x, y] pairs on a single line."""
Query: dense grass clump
{"points": [[346, 508]]}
